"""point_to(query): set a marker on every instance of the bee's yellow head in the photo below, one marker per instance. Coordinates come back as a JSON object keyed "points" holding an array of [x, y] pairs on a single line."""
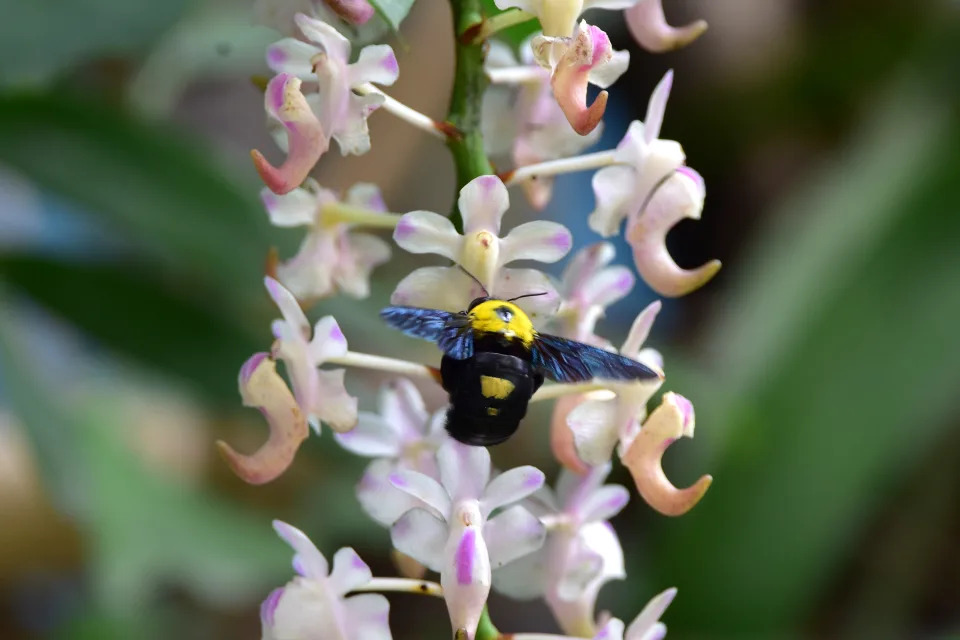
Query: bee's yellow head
{"points": [[505, 318]]}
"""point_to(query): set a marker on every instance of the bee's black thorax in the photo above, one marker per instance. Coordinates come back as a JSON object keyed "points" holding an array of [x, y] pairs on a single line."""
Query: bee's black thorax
{"points": [[498, 343]]}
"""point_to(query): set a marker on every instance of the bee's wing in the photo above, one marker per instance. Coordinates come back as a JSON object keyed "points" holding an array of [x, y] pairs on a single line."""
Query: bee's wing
{"points": [[451, 331], [570, 361]]}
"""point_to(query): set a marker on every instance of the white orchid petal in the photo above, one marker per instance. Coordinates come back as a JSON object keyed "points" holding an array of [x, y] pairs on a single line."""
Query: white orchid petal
{"points": [[595, 432], [326, 36], [422, 536], [539, 240], [464, 469], [336, 407], [517, 282], [604, 503], [289, 307], [482, 203], [422, 487], [368, 616], [373, 437], [360, 254], [580, 571], [381, 500], [294, 209], [512, 534], [351, 131], [445, 288], [308, 561], [511, 486], [606, 74], [611, 630], [349, 571], [366, 195], [640, 329], [645, 625], [427, 232], [526, 577], [656, 108], [612, 188], [377, 63], [610, 285], [328, 340], [292, 56]]}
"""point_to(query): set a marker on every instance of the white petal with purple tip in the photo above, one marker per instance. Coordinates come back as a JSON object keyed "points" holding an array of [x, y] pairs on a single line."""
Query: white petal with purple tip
{"points": [[311, 562], [540, 240], [511, 486], [377, 64], [464, 470], [512, 534], [427, 232], [422, 487], [349, 571], [291, 56], [482, 203], [604, 503]]}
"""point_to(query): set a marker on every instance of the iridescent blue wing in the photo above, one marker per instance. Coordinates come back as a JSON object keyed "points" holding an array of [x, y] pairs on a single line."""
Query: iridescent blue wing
{"points": [[570, 361], [451, 331]]}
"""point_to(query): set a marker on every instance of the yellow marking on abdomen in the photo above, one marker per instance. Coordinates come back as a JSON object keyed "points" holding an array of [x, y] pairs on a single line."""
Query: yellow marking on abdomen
{"points": [[497, 388], [488, 317], [493, 411]]}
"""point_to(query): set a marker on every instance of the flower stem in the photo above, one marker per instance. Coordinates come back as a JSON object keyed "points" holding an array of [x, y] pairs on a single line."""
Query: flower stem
{"points": [[402, 585], [469, 82], [486, 630], [381, 363], [405, 113], [500, 22], [337, 212], [565, 165], [517, 75]]}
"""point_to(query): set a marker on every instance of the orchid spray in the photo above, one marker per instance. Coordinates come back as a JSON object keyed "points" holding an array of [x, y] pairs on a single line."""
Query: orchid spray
{"points": [[447, 509]]}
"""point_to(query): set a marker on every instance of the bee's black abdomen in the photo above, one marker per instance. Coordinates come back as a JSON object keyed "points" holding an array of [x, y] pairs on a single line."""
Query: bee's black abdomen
{"points": [[488, 396]]}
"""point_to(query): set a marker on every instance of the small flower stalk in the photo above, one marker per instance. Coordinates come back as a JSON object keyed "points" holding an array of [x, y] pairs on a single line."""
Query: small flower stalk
{"points": [[460, 527]]}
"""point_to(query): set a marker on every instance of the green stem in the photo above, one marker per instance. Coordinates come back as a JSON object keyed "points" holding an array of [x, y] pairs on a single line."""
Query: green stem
{"points": [[486, 630], [466, 98]]}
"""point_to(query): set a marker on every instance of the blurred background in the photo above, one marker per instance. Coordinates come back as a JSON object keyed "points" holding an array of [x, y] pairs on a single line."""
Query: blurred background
{"points": [[823, 360]]}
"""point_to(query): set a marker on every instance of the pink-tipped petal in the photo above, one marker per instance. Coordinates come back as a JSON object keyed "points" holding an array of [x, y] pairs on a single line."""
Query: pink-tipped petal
{"points": [[427, 232], [511, 486], [366, 195], [349, 571], [512, 534], [352, 11], [649, 27], [291, 56], [289, 307], [422, 487], [482, 203], [640, 329], [540, 240], [262, 387], [647, 625], [681, 196], [464, 470], [657, 107], [671, 420], [307, 559], [377, 63], [321, 33], [306, 140]]}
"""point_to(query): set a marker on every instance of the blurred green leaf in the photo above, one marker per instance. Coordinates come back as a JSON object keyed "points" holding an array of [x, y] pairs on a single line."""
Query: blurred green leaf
{"points": [[393, 11], [839, 372], [159, 322], [144, 530], [39, 38], [147, 183]]}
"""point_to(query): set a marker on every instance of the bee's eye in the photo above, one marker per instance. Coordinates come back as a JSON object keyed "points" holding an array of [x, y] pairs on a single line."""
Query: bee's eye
{"points": [[505, 314]]}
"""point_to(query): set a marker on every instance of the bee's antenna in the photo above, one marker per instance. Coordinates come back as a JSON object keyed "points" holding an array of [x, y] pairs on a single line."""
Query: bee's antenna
{"points": [[529, 295], [474, 278]]}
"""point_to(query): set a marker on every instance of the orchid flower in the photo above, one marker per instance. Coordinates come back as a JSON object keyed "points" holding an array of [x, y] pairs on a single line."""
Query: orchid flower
{"points": [[325, 57], [524, 120], [559, 17], [649, 27], [586, 57], [464, 544], [403, 435], [315, 606], [581, 552], [319, 393], [332, 258], [480, 251]]}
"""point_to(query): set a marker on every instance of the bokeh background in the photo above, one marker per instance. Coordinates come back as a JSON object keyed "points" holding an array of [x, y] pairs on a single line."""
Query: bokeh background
{"points": [[823, 360]]}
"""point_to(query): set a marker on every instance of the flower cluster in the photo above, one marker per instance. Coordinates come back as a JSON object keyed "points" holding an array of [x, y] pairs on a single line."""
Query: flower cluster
{"points": [[447, 508]]}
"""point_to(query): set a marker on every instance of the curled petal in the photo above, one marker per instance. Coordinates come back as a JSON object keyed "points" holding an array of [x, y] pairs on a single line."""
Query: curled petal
{"points": [[427, 232], [673, 419], [681, 196], [306, 140], [561, 437], [352, 11], [307, 559], [262, 387], [649, 27], [539, 240]]}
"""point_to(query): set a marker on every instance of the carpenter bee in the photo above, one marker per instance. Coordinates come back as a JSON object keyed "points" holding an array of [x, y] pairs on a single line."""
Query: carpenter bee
{"points": [[494, 360]]}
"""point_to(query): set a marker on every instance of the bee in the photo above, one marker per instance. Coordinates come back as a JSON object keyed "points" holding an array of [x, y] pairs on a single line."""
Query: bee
{"points": [[494, 360]]}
